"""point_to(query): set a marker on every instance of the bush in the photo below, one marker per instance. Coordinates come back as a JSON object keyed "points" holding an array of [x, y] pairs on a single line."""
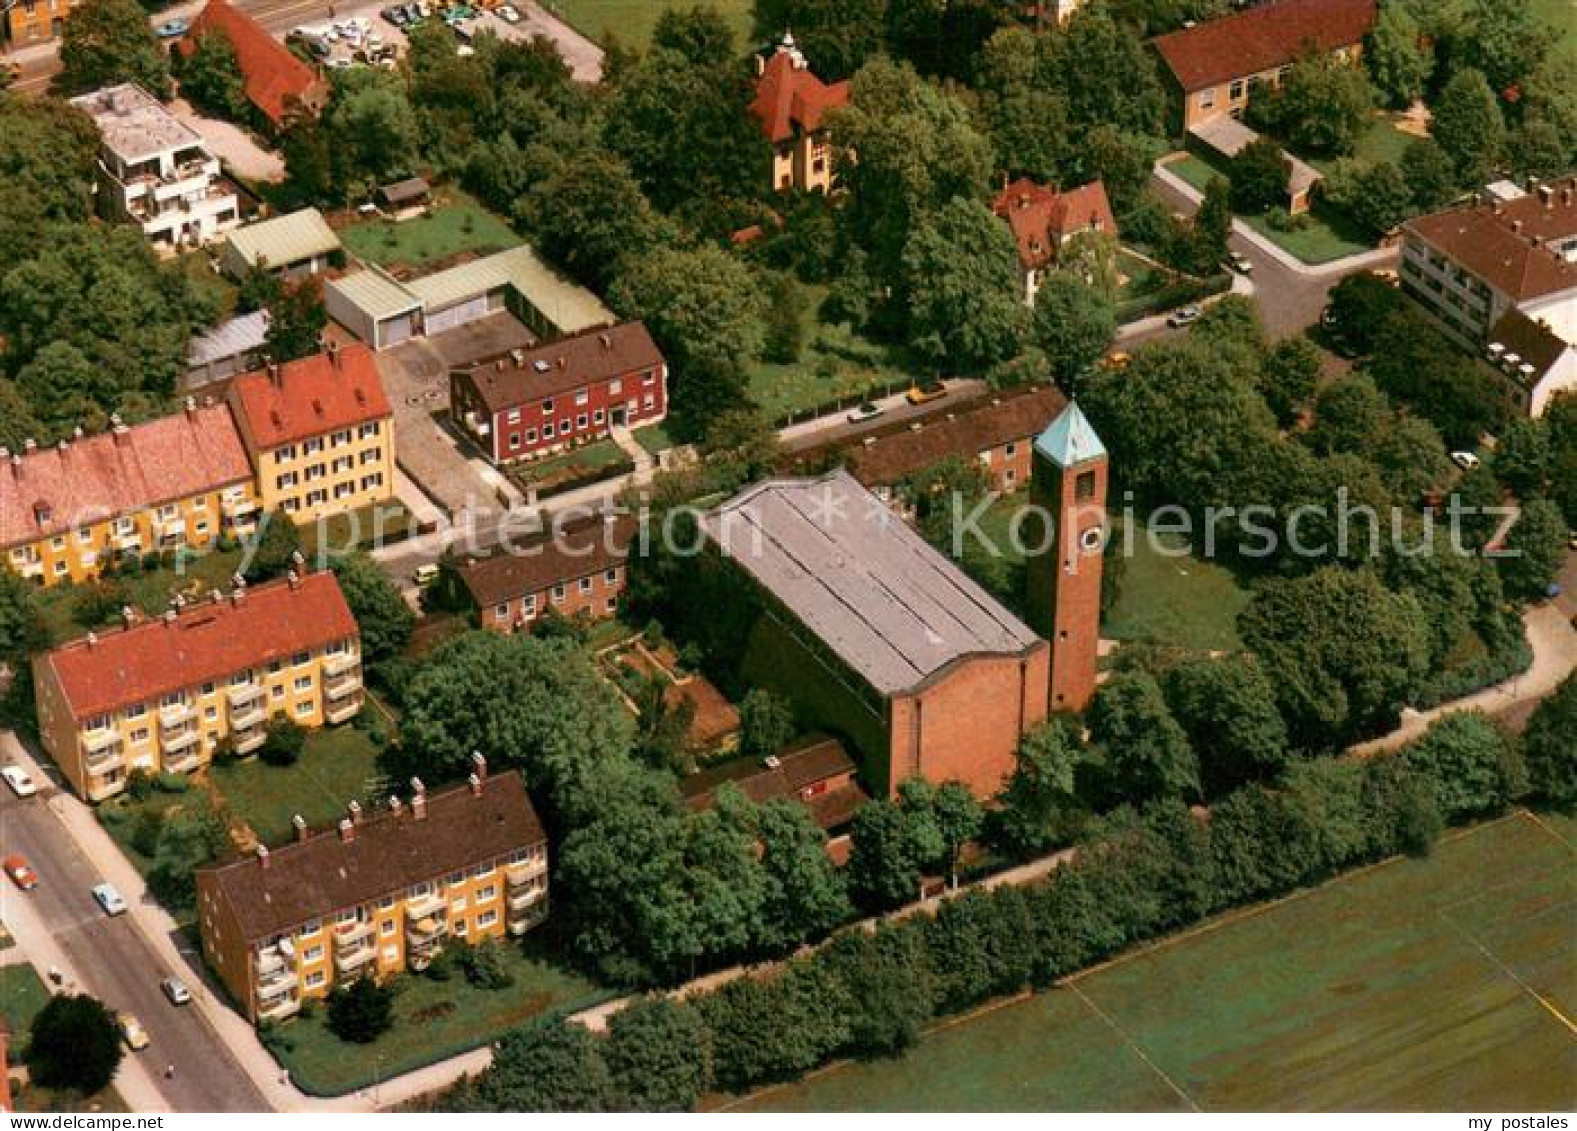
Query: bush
{"points": [[170, 783], [284, 743], [361, 1012], [484, 966], [139, 784], [1550, 745]]}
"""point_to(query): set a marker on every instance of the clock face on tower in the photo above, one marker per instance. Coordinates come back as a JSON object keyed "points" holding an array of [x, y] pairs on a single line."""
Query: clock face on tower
{"points": [[1091, 540]]}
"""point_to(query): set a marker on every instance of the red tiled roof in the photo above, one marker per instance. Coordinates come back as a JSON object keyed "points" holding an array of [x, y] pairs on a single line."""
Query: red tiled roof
{"points": [[208, 641], [789, 97], [128, 469], [814, 762], [1261, 39], [274, 79], [589, 358], [1041, 217], [1506, 245], [305, 398]]}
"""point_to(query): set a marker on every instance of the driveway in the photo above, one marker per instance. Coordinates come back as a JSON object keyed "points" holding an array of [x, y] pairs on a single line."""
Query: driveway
{"points": [[239, 151], [583, 56], [416, 376]]}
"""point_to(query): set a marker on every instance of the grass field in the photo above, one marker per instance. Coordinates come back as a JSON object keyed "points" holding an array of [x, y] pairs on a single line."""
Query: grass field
{"points": [[1180, 601], [632, 21], [1321, 239], [432, 1020], [1446, 984], [455, 225], [338, 765], [22, 995], [149, 591]]}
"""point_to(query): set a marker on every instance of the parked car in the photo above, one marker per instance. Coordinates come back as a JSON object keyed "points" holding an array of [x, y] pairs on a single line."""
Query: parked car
{"points": [[21, 872], [508, 13], [1467, 461], [1115, 361], [131, 1030], [18, 779], [109, 899], [395, 14], [175, 990], [1237, 261], [922, 394], [866, 411], [1186, 316], [425, 575], [172, 29]]}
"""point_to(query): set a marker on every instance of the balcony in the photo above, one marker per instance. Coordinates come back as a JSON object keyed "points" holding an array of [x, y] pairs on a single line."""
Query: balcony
{"points": [[241, 694], [31, 569], [238, 509], [105, 758], [521, 922], [183, 761], [173, 527], [278, 1008], [346, 934], [349, 959], [346, 683], [424, 906], [517, 875], [249, 739], [246, 718], [340, 664], [523, 898], [342, 712], [175, 716], [99, 739]]}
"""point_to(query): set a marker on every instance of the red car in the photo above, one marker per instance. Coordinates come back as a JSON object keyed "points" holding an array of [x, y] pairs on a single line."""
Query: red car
{"points": [[21, 872]]}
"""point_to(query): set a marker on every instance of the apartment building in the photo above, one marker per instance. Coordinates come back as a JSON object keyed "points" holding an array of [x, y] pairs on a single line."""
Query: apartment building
{"points": [[791, 104], [1213, 68], [319, 431], [177, 482], [161, 694], [34, 21], [155, 171], [381, 893], [577, 571], [533, 402]]}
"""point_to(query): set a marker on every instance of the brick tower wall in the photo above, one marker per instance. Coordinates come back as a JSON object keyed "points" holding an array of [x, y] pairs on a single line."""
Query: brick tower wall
{"points": [[1064, 583]]}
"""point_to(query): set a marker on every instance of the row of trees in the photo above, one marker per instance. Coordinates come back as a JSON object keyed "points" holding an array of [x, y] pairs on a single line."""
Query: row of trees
{"points": [[1139, 872]]}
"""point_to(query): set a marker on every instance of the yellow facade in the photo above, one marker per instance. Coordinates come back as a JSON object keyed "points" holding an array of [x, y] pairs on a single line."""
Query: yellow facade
{"points": [[193, 523], [383, 937], [34, 21], [178, 732], [804, 162], [332, 473]]}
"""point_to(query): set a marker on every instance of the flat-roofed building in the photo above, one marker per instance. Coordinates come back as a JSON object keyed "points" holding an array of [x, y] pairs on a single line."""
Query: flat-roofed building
{"points": [[383, 892], [155, 171], [319, 431], [175, 482], [160, 695], [533, 402]]}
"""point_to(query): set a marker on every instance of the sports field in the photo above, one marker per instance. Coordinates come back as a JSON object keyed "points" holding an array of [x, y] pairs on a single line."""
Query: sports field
{"points": [[1443, 984]]}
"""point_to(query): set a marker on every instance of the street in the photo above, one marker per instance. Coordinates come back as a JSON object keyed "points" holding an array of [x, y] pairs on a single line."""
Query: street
{"points": [[110, 959]]}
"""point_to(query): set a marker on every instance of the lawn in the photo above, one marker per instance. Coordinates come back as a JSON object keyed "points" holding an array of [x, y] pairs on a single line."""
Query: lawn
{"points": [[588, 464], [432, 1021], [377, 524], [631, 21], [1321, 236], [1176, 600], [454, 225], [22, 995], [1442, 984], [655, 438], [150, 591], [337, 766]]}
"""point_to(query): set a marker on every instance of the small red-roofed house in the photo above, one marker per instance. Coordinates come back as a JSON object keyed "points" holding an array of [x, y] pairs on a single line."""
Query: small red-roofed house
{"points": [[791, 104], [1043, 220], [278, 84]]}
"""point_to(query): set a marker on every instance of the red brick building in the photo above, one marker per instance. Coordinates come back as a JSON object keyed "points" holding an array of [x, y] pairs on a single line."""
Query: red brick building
{"points": [[532, 402], [1043, 220], [577, 572], [277, 84]]}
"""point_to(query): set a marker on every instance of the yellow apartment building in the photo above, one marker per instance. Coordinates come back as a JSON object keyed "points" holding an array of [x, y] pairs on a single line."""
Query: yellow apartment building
{"points": [[319, 432], [381, 893], [161, 694], [181, 481]]}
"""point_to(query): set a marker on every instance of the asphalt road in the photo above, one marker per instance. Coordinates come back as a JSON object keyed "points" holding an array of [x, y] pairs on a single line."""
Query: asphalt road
{"points": [[111, 960]]}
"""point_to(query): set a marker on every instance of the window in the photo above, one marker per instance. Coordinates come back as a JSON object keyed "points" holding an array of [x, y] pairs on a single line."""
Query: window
{"points": [[210, 712], [648, 400], [371, 455], [558, 593], [369, 482], [458, 905], [615, 387], [611, 577], [1207, 99], [304, 683], [597, 416], [305, 707], [460, 928], [85, 535], [140, 734], [514, 440], [1236, 90], [341, 490], [340, 438], [277, 692], [316, 472], [386, 902], [612, 604], [312, 953], [300, 658], [514, 416], [316, 979], [486, 920], [58, 542], [368, 430], [547, 431], [136, 710], [285, 454], [547, 407], [342, 463], [1084, 485], [312, 447], [486, 893], [501, 612], [531, 435], [582, 397], [585, 584], [528, 607], [580, 421], [649, 380], [388, 928], [287, 480]]}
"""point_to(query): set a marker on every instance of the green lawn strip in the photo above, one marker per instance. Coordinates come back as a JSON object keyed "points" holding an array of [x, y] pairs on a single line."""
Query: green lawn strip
{"points": [[22, 995], [432, 1021], [654, 438], [1176, 600], [149, 591], [335, 768], [1400, 987], [631, 22], [455, 225], [834, 364]]}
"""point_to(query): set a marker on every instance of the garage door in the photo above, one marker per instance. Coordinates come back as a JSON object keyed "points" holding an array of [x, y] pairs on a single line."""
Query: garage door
{"points": [[457, 315], [393, 331]]}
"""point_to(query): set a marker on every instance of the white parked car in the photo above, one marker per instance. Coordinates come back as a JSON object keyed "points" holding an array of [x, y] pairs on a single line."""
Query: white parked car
{"points": [[1467, 461], [109, 899], [864, 412], [17, 778], [175, 990], [1187, 316], [508, 13]]}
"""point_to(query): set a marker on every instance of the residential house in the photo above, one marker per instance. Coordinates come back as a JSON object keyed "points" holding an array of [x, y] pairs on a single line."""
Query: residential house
{"points": [[155, 171], [384, 311], [383, 892], [1043, 221], [533, 402], [791, 104], [280, 86], [34, 21], [160, 695], [1213, 68], [817, 772], [998, 432], [176, 482], [292, 246], [1533, 362], [319, 432], [577, 570]]}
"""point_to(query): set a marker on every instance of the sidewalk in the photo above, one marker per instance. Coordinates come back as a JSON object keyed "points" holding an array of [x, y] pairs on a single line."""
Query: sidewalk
{"points": [[1156, 323], [1345, 266]]}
